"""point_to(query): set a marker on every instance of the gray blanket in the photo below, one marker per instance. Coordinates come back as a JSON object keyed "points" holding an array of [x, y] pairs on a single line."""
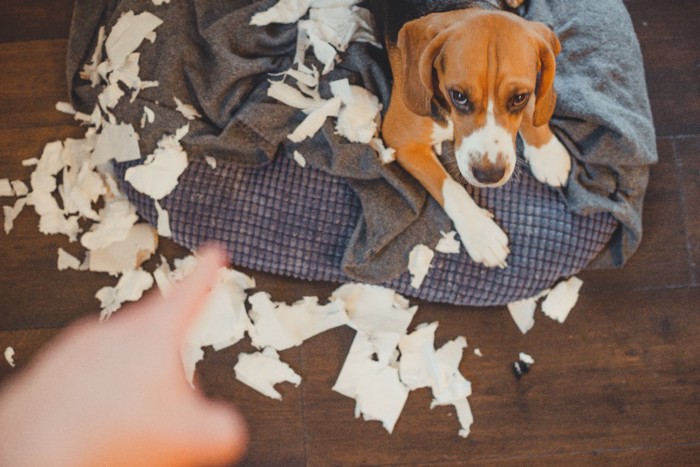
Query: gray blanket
{"points": [[207, 54]]}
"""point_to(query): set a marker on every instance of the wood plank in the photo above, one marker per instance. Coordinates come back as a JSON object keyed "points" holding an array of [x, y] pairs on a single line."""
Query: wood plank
{"points": [[33, 81], [688, 166], [662, 258], [35, 19], [618, 374], [276, 427], [668, 35]]}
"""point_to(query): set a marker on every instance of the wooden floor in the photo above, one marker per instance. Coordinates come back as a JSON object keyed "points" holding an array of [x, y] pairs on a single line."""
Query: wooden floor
{"points": [[618, 383]]}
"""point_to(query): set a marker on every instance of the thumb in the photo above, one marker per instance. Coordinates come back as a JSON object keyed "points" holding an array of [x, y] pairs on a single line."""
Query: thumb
{"points": [[209, 432]]}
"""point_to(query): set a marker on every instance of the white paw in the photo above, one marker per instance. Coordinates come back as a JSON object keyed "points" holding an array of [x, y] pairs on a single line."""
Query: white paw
{"points": [[550, 163], [484, 240]]}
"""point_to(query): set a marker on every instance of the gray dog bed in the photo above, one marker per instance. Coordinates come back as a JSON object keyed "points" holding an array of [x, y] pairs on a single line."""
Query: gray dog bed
{"points": [[345, 217]]}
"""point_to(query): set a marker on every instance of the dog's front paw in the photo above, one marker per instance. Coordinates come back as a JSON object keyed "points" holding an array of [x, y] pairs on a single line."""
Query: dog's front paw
{"points": [[484, 240], [550, 163]]}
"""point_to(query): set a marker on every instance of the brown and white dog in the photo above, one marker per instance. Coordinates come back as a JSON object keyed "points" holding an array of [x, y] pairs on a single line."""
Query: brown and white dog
{"points": [[478, 76]]}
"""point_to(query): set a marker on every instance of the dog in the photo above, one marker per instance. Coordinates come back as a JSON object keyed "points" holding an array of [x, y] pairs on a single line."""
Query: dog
{"points": [[478, 75]]}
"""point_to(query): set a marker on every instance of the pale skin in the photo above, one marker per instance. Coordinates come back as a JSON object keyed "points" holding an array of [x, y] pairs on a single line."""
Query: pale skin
{"points": [[115, 393]]}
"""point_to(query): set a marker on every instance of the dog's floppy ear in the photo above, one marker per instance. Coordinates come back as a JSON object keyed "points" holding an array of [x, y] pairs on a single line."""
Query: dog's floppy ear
{"points": [[546, 96], [419, 43]]}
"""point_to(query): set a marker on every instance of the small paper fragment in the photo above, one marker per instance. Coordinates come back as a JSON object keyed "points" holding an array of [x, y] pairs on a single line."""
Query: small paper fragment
{"points": [[130, 288], [211, 161], [562, 299], [448, 243], [263, 370], [149, 116], [163, 223], [526, 358], [187, 110], [386, 155], [158, 176], [315, 120], [65, 107], [67, 261], [284, 11], [10, 356], [523, 313], [419, 260], [11, 214], [6, 188], [116, 142], [20, 188], [299, 159]]}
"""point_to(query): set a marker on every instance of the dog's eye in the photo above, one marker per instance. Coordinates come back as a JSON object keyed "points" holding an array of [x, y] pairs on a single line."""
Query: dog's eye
{"points": [[460, 99], [519, 100]]}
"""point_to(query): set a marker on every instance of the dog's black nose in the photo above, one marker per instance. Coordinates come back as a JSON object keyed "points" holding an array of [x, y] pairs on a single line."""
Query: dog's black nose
{"points": [[488, 173]]}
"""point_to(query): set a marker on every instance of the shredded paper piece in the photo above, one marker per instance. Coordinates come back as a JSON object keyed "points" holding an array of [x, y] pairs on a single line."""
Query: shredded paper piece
{"points": [[282, 326], [562, 299], [263, 370], [10, 356], [419, 260]]}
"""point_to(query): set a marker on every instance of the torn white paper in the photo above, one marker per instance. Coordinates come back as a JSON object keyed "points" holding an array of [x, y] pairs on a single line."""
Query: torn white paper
{"points": [[375, 386], [187, 110], [223, 321], [127, 34], [11, 214], [163, 223], [562, 299], [282, 326], [157, 177], [20, 188], [315, 120], [526, 358], [359, 116], [116, 220], [211, 161], [116, 142], [380, 313], [263, 370], [130, 288], [65, 107], [67, 261], [10, 356], [523, 313], [284, 11], [125, 255], [6, 188], [419, 260], [149, 116], [299, 159], [448, 243], [386, 155]]}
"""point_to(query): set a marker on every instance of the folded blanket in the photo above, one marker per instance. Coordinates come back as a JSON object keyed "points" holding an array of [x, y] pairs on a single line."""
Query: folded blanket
{"points": [[347, 216]]}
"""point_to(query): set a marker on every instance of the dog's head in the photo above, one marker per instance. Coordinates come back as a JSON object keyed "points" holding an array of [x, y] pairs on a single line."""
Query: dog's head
{"points": [[481, 69]]}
